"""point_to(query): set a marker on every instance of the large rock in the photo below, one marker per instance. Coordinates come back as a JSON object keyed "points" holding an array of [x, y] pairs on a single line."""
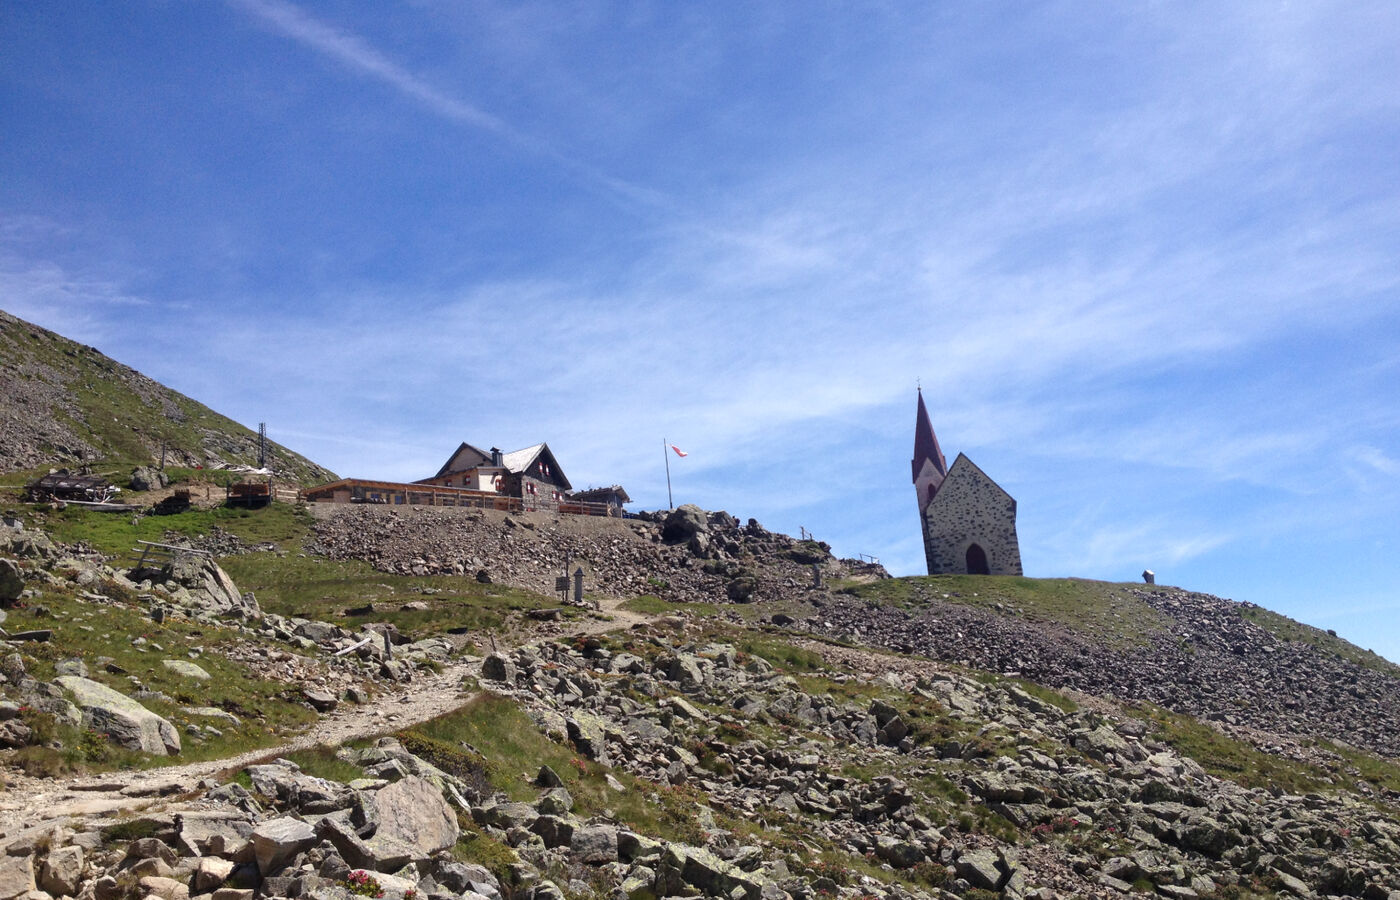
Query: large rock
{"points": [[186, 669], [11, 581], [62, 871], [589, 732], [595, 844], [685, 668], [148, 478], [16, 876], [121, 718], [211, 588], [203, 832], [275, 842], [460, 877], [164, 888], [683, 523], [413, 812], [211, 872], [981, 869], [498, 667], [713, 876]]}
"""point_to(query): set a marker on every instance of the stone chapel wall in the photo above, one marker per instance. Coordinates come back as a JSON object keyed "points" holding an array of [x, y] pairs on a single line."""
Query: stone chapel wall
{"points": [[970, 508]]}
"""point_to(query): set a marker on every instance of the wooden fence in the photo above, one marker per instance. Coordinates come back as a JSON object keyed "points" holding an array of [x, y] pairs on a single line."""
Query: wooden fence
{"points": [[391, 493]]}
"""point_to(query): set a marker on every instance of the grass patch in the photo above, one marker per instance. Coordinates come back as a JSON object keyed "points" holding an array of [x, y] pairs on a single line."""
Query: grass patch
{"points": [[652, 605], [116, 535], [493, 738], [133, 830], [1045, 695], [1358, 765], [780, 653], [341, 590], [124, 649], [1287, 629], [475, 846], [322, 762], [1225, 757], [1102, 610]]}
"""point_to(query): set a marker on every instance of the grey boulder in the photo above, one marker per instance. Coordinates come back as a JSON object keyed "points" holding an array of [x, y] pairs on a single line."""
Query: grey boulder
{"points": [[121, 718]]}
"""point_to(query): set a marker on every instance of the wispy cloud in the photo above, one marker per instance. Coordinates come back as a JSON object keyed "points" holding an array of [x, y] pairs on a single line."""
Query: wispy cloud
{"points": [[1153, 543], [1377, 459], [359, 56], [82, 307]]}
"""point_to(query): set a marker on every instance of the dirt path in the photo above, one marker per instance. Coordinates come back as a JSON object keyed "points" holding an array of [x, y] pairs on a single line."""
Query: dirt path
{"points": [[30, 803]]}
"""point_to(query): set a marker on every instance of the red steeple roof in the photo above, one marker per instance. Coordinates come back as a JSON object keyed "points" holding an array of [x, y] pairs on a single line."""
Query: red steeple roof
{"points": [[926, 442]]}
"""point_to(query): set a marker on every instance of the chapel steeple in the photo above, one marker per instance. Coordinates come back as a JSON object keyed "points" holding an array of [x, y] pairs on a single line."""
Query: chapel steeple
{"points": [[929, 466]]}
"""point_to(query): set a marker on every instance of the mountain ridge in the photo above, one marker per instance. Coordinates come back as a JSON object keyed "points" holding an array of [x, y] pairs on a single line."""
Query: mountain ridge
{"points": [[63, 403]]}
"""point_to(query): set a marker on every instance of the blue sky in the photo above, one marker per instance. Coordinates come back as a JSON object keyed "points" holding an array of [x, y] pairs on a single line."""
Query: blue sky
{"points": [[1143, 258]]}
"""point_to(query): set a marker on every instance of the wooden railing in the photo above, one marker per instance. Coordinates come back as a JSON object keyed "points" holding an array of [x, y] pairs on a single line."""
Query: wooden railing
{"points": [[400, 494]]}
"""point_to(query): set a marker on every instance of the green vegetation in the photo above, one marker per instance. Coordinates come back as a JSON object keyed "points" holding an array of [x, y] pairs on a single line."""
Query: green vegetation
{"points": [[123, 648], [490, 738], [1225, 757], [1356, 765], [1100, 610], [322, 762], [781, 653], [133, 829], [291, 583], [807, 552], [476, 846], [351, 592], [651, 605], [116, 535], [1287, 629], [1040, 692]]}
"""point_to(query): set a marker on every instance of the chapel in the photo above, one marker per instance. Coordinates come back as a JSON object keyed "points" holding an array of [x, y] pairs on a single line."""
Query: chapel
{"points": [[969, 522]]}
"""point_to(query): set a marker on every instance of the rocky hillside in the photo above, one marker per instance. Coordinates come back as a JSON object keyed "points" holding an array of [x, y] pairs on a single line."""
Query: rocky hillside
{"points": [[681, 761], [1226, 662], [1231, 663], [62, 403], [685, 556], [741, 716]]}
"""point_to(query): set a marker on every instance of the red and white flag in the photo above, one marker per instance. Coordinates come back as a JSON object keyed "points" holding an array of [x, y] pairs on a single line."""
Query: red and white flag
{"points": [[679, 451]]}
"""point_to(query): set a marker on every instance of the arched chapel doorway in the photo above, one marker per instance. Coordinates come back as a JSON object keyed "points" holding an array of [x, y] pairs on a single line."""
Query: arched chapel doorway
{"points": [[977, 561]]}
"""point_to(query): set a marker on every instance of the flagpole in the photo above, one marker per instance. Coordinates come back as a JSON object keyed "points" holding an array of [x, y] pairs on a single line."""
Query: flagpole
{"points": [[670, 501]]}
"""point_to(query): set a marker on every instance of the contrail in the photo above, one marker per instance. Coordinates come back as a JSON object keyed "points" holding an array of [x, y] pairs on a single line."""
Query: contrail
{"points": [[353, 53]]}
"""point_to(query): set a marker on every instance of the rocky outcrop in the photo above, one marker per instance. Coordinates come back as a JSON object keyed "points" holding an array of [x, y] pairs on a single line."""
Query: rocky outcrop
{"points": [[411, 813], [148, 478], [206, 587], [1038, 799], [120, 718], [11, 581]]}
